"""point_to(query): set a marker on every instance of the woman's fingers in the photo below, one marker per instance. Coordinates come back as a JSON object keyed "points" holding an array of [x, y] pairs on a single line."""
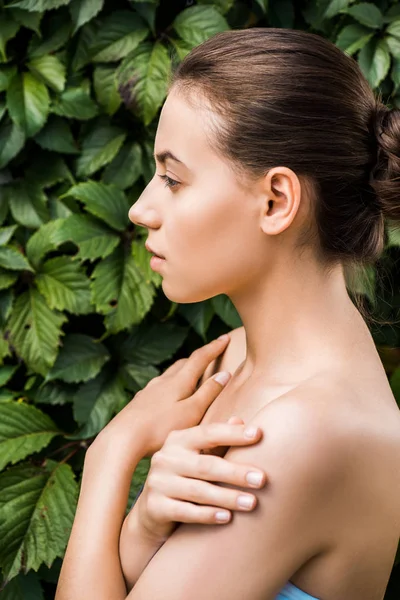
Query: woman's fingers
{"points": [[209, 468], [185, 512], [203, 492], [205, 395], [212, 435], [175, 367], [199, 360]]}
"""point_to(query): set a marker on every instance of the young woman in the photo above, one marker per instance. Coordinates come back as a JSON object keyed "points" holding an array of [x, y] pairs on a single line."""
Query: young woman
{"points": [[280, 167]]}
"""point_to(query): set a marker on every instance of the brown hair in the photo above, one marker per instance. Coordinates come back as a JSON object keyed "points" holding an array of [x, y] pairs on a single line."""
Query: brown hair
{"points": [[289, 97]]}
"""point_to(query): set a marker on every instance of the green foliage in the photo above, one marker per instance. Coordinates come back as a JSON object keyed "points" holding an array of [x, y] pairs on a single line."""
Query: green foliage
{"points": [[83, 322]]}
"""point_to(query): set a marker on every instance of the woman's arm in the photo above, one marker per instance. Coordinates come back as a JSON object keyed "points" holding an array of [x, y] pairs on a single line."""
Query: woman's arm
{"points": [[136, 547], [91, 567]]}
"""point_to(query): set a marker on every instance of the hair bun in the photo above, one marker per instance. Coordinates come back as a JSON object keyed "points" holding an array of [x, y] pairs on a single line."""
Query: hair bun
{"points": [[385, 177]]}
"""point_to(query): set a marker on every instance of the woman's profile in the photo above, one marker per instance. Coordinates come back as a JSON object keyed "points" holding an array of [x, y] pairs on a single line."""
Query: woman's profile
{"points": [[280, 168]]}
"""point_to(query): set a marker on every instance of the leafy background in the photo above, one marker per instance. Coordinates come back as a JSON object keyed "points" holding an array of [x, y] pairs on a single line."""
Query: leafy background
{"points": [[84, 324]]}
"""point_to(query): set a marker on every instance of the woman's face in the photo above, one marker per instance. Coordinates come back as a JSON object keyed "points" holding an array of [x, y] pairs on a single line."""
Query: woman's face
{"points": [[207, 226]]}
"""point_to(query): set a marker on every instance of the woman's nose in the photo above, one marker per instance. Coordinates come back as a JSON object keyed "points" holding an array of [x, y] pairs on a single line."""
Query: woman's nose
{"points": [[143, 216]]}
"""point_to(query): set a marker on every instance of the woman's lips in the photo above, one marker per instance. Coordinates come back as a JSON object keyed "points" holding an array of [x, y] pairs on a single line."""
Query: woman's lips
{"points": [[156, 261]]}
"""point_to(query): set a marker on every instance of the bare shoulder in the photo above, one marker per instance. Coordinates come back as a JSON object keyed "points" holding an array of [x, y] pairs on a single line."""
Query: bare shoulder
{"points": [[322, 427], [305, 422]]}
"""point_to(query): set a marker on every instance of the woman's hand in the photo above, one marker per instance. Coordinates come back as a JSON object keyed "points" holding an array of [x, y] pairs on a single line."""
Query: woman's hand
{"points": [[168, 402], [178, 488]]}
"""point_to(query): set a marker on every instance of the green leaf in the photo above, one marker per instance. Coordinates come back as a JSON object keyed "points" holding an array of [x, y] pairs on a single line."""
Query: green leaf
{"points": [[28, 103], [7, 279], [6, 302], [28, 204], [394, 28], [83, 11], [143, 79], [6, 396], [95, 403], [366, 13], [75, 103], [55, 393], [151, 344], [8, 29], [60, 210], [13, 260], [47, 169], [93, 238], [30, 20], [4, 352], [56, 32], [6, 373], [56, 136], [64, 284], [374, 62], [199, 315], [42, 241], [394, 235], [334, 7], [181, 48], [393, 43], [105, 87], [3, 209], [12, 140], [23, 587], [81, 358], [107, 202], [35, 331], [85, 40], [23, 430], [6, 75], [120, 292], [38, 504], [140, 373], [353, 37], [6, 234], [363, 281], [117, 35], [198, 23], [39, 5], [99, 147], [392, 14], [226, 311], [50, 70], [126, 168]]}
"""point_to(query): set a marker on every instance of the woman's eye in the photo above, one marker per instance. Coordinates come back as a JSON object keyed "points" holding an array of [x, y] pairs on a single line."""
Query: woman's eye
{"points": [[171, 183]]}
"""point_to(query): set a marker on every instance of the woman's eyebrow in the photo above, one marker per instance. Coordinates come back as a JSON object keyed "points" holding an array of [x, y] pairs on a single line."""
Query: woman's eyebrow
{"points": [[163, 156]]}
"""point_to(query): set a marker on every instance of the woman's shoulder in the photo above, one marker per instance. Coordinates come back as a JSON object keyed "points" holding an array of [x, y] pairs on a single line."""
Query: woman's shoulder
{"points": [[331, 419]]}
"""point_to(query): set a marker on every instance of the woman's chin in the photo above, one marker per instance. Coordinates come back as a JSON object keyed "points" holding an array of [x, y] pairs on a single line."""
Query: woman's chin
{"points": [[185, 296]]}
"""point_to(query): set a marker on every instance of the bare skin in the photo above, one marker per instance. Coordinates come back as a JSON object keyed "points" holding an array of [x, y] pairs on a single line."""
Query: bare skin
{"points": [[364, 524], [301, 332]]}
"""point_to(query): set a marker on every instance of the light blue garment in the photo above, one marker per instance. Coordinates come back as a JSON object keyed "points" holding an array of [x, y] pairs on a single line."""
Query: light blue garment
{"points": [[292, 592], [289, 592]]}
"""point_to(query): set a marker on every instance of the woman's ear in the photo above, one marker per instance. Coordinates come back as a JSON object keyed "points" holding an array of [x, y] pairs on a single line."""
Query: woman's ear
{"points": [[282, 199]]}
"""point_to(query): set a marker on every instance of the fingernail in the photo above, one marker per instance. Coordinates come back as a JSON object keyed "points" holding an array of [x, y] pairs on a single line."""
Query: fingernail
{"points": [[222, 515], [251, 432], [223, 337], [254, 478], [222, 377]]}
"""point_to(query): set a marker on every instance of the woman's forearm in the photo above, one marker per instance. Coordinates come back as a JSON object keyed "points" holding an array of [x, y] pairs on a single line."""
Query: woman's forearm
{"points": [[91, 567], [136, 548]]}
